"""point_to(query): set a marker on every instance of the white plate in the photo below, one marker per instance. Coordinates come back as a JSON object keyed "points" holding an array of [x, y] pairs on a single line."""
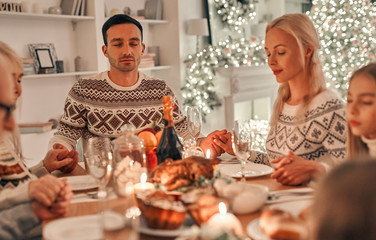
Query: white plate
{"points": [[80, 183], [144, 229], [254, 230], [251, 170], [81, 228], [294, 207]]}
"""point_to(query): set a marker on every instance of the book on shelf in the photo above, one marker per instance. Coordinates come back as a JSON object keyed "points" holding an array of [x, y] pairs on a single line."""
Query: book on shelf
{"points": [[147, 60], [35, 127], [68, 6], [83, 8], [78, 8], [155, 50], [146, 64]]}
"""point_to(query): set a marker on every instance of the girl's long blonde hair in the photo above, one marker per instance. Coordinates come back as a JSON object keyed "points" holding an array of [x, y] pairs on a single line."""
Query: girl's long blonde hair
{"points": [[302, 29], [12, 56], [355, 145]]}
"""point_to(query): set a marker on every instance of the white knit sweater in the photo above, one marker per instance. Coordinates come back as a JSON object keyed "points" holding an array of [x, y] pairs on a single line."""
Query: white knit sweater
{"points": [[321, 136]]}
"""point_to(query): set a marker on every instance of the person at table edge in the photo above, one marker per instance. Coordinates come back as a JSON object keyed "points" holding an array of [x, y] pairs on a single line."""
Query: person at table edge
{"points": [[100, 105]]}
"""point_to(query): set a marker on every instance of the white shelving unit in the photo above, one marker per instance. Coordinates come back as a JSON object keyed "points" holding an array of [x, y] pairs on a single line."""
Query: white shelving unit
{"points": [[58, 75], [44, 94], [53, 17]]}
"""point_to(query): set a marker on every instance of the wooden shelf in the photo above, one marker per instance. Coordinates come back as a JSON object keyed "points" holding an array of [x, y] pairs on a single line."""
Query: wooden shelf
{"points": [[55, 17], [55, 75]]}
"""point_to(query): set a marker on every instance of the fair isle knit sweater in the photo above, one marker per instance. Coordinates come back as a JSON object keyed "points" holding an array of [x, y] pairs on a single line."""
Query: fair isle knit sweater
{"points": [[321, 136], [96, 106], [14, 175]]}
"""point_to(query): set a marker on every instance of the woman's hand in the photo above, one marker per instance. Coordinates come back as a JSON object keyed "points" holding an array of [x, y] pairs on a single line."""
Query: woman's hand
{"points": [[52, 196], [294, 170], [45, 190]]}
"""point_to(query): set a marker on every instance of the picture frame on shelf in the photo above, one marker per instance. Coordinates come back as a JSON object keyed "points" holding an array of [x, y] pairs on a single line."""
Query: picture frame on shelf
{"points": [[44, 56]]}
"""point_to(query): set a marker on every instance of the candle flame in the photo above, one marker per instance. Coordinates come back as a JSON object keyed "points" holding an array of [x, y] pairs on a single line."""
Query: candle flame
{"points": [[222, 208], [143, 178], [208, 154]]}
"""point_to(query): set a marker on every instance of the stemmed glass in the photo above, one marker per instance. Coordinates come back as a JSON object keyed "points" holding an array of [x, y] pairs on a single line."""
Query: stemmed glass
{"points": [[194, 121], [242, 143], [98, 157]]}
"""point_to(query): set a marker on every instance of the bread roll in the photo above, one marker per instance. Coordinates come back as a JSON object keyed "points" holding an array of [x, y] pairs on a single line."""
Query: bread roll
{"points": [[278, 224]]}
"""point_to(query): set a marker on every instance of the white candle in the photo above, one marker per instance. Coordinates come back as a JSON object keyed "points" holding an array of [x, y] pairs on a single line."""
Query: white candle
{"points": [[143, 185], [225, 221], [208, 154]]}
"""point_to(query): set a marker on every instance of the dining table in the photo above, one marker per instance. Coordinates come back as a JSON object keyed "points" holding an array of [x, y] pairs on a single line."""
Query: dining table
{"points": [[120, 204]]}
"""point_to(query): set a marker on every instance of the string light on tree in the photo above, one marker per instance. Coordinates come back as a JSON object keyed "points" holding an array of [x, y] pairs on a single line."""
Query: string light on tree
{"points": [[347, 32], [198, 89], [236, 13]]}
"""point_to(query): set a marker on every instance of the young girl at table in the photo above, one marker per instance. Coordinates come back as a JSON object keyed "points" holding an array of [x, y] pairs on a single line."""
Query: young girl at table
{"points": [[308, 127], [361, 112]]}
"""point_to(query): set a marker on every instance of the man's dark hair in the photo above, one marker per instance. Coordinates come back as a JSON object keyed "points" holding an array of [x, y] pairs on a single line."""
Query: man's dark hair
{"points": [[119, 19]]}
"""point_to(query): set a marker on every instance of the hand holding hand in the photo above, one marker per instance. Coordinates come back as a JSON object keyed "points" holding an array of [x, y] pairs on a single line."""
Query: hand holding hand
{"points": [[208, 143], [226, 145], [44, 213], [45, 190], [66, 160], [294, 170]]}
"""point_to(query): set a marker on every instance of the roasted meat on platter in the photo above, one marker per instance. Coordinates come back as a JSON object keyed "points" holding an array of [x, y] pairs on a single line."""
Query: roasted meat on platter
{"points": [[181, 173]]}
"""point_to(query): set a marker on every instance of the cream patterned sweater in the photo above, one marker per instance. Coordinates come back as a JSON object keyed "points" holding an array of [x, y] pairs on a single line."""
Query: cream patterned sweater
{"points": [[14, 174], [96, 106], [321, 136]]}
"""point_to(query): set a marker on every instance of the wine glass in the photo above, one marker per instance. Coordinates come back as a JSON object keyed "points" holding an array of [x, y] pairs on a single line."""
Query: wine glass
{"points": [[194, 121], [98, 157], [241, 143]]}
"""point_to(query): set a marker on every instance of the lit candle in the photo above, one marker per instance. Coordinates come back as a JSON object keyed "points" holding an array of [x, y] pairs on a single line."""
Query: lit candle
{"points": [[225, 221], [143, 185], [208, 154]]}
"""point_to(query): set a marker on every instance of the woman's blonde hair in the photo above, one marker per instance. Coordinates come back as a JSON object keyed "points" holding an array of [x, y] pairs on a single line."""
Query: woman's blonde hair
{"points": [[302, 29], [355, 145]]}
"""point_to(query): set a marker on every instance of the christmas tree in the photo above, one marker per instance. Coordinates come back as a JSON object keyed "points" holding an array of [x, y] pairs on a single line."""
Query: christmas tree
{"points": [[347, 32], [198, 89]]}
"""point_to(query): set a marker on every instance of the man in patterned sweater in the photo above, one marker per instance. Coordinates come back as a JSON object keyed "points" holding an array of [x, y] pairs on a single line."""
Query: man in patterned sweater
{"points": [[100, 105]]}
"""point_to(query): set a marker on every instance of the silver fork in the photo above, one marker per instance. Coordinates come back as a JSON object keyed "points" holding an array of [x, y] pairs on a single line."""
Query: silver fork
{"points": [[277, 195]]}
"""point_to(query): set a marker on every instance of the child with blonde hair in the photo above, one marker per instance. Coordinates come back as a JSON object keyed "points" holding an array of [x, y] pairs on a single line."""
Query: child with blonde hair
{"points": [[361, 112]]}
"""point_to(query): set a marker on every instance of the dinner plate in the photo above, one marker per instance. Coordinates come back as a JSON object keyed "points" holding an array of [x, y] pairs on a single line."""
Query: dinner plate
{"points": [[81, 228], [294, 207], [80, 183], [184, 228], [250, 170]]}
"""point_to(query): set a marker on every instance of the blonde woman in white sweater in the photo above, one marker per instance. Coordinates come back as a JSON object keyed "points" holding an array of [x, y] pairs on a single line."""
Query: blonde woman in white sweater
{"points": [[308, 126]]}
